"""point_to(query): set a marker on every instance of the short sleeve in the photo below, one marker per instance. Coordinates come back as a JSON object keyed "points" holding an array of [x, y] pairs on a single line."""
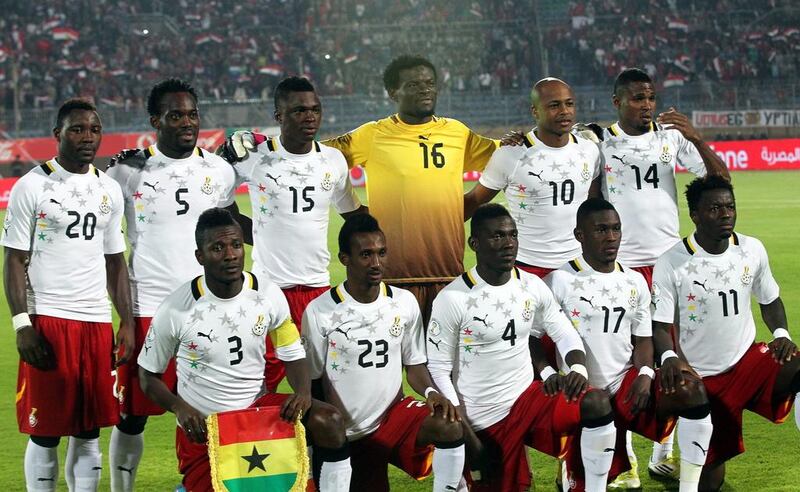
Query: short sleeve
{"points": [[500, 168], [114, 238], [478, 151], [244, 169], [688, 156], [162, 340], [664, 295], [20, 216], [413, 344], [443, 328], [314, 342], [355, 145], [228, 192], [641, 324], [765, 288], [549, 317], [344, 196]]}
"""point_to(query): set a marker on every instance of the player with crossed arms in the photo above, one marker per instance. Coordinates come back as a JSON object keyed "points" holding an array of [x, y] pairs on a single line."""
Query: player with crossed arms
{"points": [[609, 306]]}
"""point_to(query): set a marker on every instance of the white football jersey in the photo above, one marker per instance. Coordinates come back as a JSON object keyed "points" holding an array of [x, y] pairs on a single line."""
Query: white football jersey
{"points": [[67, 222], [544, 187], [220, 344], [606, 309], [639, 179], [291, 196], [482, 330], [359, 351], [164, 197], [708, 297]]}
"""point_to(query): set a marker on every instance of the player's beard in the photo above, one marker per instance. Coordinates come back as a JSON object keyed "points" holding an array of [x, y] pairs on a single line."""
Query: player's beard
{"points": [[424, 113]]}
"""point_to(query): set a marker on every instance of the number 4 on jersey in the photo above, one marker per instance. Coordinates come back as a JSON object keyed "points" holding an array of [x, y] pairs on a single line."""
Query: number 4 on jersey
{"points": [[510, 334]]}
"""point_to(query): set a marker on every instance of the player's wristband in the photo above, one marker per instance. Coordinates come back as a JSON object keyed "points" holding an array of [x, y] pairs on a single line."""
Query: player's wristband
{"points": [[429, 390], [20, 321], [668, 354], [781, 333], [580, 369], [647, 371], [547, 372]]}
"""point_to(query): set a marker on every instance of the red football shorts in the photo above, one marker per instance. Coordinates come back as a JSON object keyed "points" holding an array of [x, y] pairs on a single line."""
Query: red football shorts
{"points": [[749, 384], [647, 273], [394, 442], [132, 400], [193, 461], [536, 420], [298, 298], [644, 423], [76, 396]]}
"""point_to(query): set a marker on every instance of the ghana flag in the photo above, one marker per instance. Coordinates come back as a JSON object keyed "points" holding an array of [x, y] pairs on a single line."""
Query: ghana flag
{"points": [[254, 450]]}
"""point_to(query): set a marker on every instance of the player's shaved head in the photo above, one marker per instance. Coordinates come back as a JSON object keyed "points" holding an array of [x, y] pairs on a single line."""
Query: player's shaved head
{"points": [[289, 85], [630, 76], [391, 75], [591, 206], [356, 224], [169, 86], [70, 105], [695, 189], [211, 219], [485, 213], [543, 85]]}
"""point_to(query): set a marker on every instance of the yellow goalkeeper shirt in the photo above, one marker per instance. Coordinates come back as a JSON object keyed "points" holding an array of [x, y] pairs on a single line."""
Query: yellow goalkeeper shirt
{"points": [[415, 190]]}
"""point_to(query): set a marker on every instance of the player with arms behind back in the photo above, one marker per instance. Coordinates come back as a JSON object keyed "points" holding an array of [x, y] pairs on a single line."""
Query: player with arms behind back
{"points": [[702, 287], [166, 187], [359, 337], [609, 306], [64, 249]]}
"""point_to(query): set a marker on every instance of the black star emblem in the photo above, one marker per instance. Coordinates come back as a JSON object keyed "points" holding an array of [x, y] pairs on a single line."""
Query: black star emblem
{"points": [[255, 460]]}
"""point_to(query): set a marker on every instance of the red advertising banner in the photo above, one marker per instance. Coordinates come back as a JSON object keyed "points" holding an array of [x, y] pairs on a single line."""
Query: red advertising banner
{"points": [[759, 155]]}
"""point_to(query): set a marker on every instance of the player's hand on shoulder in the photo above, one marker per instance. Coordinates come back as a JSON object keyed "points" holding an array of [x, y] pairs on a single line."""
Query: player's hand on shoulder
{"points": [[237, 147], [589, 131], [191, 421], [124, 346], [574, 384], [783, 349], [679, 121], [639, 392], [34, 349], [513, 138], [448, 410], [295, 407], [123, 155]]}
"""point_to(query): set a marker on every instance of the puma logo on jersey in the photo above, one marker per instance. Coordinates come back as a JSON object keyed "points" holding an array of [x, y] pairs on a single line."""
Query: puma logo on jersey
{"points": [[620, 159], [699, 446], [273, 178], [343, 332], [129, 470], [475, 318], [587, 301], [153, 186], [423, 137], [53, 200], [201, 334], [435, 342], [531, 173], [703, 285]]}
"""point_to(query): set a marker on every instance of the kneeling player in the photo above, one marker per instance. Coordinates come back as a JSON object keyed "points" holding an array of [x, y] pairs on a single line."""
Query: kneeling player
{"points": [[215, 327], [702, 286], [359, 336], [610, 308], [478, 355]]}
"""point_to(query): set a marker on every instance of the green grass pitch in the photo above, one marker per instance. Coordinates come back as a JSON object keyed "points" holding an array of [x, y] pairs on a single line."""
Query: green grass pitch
{"points": [[768, 209]]}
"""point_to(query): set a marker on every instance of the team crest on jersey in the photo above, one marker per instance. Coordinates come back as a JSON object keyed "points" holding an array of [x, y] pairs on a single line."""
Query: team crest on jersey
{"points": [[747, 277], [527, 312], [105, 206], [327, 183], [585, 174], [434, 329], [206, 187], [260, 326], [32, 419], [666, 155], [397, 329], [633, 300]]}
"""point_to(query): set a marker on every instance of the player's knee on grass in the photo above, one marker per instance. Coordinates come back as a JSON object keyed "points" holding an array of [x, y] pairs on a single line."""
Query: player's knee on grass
{"points": [[132, 424], [326, 426], [89, 434], [46, 442], [595, 407]]}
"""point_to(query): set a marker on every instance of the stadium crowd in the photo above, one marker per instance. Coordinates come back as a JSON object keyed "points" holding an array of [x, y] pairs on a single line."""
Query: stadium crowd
{"points": [[239, 52]]}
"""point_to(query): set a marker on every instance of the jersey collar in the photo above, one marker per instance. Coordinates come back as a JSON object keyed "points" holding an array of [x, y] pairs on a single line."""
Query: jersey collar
{"points": [[340, 294], [471, 277], [693, 247], [152, 151], [531, 140], [53, 167], [617, 131], [580, 264], [200, 288]]}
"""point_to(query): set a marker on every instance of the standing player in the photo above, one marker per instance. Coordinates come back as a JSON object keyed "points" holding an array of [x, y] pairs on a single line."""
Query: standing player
{"points": [[293, 182], [359, 337], [609, 306], [214, 326], [64, 249], [166, 187], [639, 160], [479, 357], [702, 287], [544, 181], [415, 163]]}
